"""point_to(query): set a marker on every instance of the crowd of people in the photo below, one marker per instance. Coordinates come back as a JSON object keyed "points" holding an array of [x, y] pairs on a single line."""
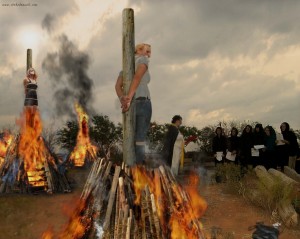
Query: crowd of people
{"points": [[258, 146]]}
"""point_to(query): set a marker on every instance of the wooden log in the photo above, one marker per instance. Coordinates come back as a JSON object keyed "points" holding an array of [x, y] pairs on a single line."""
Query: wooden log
{"points": [[292, 173], [29, 59], [285, 179], [285, 209], [166, 186], [288, 215], [264, 177], [111, 200], [155, 217], [128, 229], [128, 73], [48, 177], [91, 180], [125, 221], [145, 215]]}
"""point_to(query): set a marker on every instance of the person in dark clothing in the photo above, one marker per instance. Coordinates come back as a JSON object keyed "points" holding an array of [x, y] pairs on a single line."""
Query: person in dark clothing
{"points": [[269, 153], [290, 140], [233, 145], [31, 100], [258, 139], [246, 145], [170, 139], [219, 146]]}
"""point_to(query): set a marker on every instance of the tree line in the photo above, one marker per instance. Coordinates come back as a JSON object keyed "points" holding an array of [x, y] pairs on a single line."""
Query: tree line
{"points": [[105, 133]]}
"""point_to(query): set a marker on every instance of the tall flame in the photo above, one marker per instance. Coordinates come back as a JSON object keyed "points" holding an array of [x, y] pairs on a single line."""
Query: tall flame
{"points": [[190, 207], [31, 146], [187, 207], [83, 144]]}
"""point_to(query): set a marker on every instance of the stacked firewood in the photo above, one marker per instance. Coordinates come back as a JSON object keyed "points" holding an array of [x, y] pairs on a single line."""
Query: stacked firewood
{"points": [[122, 202], [45, 178]]}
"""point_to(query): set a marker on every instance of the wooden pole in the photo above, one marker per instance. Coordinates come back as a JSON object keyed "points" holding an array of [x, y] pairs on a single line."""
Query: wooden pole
{"points": [[29, 59], [128, 73]]}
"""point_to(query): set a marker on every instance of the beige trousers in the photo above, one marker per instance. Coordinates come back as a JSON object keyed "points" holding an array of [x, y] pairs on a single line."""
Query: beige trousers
{"points": [[292, 161]]}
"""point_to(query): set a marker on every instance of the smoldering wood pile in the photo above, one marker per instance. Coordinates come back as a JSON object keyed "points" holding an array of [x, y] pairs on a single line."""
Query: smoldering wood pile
{"points": [[15, 179], [109, 209]]}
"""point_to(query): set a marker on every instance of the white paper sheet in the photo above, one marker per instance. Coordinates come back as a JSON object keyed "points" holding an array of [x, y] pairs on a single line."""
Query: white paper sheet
{"points": [[230, 156], [254, 152], [279, 138], [261, 146], [219, 156]]}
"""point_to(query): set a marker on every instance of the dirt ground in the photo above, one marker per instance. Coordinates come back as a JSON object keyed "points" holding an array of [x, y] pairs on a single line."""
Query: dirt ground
{"points": [[28, 216], [231, 215]]}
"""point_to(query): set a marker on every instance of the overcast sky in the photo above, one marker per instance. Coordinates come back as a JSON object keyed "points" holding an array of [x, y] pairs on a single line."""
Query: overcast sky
{"points": [[212, 60]]}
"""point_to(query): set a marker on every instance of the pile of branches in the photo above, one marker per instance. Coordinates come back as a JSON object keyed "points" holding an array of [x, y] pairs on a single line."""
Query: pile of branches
{"points": [[123, 202]]}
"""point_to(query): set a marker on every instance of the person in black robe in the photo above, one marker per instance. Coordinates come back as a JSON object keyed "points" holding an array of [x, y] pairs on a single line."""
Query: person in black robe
{"points": [[258, 139], [246, 145], [233, 144], [219, 145], [170, 139], [292, 147], [269, 153]]}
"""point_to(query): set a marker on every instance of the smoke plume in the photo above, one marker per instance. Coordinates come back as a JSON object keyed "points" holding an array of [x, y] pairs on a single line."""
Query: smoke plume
{"points": [[67, 70], [48, 22]]}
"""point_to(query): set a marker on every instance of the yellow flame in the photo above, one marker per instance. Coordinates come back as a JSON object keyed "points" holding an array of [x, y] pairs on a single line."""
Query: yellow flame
{"points": [[83, 144]]}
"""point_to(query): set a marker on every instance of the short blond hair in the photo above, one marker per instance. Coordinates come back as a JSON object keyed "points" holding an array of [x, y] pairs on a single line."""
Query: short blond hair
{"points": [[141, 46]]}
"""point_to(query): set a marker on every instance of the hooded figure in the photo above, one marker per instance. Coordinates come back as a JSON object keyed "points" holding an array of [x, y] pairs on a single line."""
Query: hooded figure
{"points": [[219, 145], [258, 139], [246, 145], [233, 144], [269, 156], [290, 140]]}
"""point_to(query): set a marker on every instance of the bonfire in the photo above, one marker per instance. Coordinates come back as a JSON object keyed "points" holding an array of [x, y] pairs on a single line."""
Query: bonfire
{"points": [[83, 150], [122, 202], [29, 166]]}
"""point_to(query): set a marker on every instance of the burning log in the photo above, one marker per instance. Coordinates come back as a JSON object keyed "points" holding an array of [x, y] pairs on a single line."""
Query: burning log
{"points": [[138, 203], [111, 200]]}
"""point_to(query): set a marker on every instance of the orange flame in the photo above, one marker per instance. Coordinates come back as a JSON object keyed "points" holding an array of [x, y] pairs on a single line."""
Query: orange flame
{"points": [[31, 146], [188, 206], [4, 144], [77, 226], [83, 144]]}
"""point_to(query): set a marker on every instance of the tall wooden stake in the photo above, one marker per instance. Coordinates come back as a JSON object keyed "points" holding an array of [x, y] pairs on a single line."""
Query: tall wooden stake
{"points": [[29, 59], [128, 46]]}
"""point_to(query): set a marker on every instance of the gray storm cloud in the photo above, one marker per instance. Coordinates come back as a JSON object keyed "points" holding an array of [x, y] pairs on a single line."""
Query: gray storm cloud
{"points": [[67, 70]]}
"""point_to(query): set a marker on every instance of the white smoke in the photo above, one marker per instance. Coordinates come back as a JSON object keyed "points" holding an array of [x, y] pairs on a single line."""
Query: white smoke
{"points": [[99, 230]]}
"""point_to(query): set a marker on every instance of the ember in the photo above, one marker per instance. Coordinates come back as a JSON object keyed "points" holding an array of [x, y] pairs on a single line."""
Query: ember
{"points": [[119, 202], [83, 150]]}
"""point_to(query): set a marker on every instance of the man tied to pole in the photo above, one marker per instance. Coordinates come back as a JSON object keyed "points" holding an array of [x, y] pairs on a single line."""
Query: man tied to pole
{"points": [[141, 102], [31, 101]]}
